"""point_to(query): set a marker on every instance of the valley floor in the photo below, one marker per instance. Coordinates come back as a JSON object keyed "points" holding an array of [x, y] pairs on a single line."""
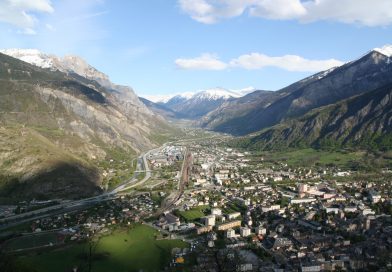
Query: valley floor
{"points": [[196, 202]]}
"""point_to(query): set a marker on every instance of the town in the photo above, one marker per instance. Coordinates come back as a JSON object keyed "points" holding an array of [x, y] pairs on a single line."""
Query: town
{"points": [[237, 211]]}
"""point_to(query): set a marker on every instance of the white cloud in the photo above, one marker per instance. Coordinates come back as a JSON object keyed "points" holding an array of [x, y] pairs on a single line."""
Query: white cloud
{"points": [[199, 10], [287, 62], [362, 12], [256, 61], [20, 13], [204, 62], [278, 9]]}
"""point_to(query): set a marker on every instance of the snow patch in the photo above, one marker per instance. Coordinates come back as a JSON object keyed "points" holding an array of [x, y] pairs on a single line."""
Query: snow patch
{"points": [[209, 94], [215, 94], [325, 73], [385, 50], [66, 64], [32, 56]]}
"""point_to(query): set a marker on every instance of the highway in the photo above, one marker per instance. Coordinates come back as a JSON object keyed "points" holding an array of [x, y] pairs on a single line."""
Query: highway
{"points": [[142, 166], [145, 169]]}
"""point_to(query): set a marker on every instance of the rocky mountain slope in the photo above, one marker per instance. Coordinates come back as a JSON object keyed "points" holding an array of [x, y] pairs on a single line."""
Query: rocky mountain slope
{"points": [[370, 72], [364, 120], [58, 129], [227, 113]]}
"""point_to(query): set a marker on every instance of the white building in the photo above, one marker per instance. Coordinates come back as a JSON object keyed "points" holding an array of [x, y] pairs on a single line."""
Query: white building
{"points": [[261, 230], [270, 208], [350, 209], [200, 181], [230, 233], [302, 188], [277, 178], [302, 200], [332, 210], [209, 220], [245, 231], [216, 211], [231, 216]]}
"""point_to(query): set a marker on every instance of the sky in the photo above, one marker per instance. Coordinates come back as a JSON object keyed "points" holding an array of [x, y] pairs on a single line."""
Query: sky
{"points": [[162, 47]]}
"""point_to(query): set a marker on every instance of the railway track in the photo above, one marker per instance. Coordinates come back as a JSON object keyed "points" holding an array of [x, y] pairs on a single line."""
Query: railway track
{"points": [[185, 172]]}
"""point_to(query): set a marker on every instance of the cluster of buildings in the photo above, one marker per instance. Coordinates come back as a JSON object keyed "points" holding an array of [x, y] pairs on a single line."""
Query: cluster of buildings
{"points": [[284, 220], [241, 213], [123, 210], [166, 156]]}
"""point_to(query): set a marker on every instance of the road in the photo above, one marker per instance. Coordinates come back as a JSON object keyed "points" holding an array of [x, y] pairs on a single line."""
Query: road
{"points": [[145, 169], [142, 166]]}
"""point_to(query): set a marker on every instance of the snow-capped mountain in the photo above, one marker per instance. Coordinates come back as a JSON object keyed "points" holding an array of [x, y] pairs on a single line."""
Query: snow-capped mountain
{"points": [[385, 50], [75, 65], [32, 56], [215, 94], [195, 104], [67, 64], [178, 98], [211, 94], [260, 110]]}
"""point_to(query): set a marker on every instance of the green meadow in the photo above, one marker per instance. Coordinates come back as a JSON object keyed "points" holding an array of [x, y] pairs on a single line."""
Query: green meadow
{"points": [[135, 249]]}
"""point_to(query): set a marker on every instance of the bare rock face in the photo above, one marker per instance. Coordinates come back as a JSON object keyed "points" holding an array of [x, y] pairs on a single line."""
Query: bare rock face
{"points": [[76, 65], [110, 125], [58, 123]]}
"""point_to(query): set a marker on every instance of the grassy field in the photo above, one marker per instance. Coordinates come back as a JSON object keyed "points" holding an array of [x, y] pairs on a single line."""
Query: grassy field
{"points": [[194, 213], [133, 250]]}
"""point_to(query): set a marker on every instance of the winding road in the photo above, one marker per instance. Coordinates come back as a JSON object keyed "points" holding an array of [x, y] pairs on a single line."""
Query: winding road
{"points": [[142, 167]]}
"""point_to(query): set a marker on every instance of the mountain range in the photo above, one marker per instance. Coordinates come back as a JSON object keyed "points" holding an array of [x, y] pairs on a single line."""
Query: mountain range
{"points": [[368, 73], [194, 105], [363, 121], [313, 111], [61, 121]]}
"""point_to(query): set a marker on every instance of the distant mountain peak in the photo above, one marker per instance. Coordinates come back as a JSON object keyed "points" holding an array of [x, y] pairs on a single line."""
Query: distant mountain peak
{"points": [[385, 50], [195, 104], [186, 95], [216, 94], [32, 56], [65, 64]]}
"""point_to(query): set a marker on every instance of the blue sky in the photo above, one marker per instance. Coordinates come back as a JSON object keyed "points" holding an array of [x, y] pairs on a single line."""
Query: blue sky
{"points": [[169, 46]]}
